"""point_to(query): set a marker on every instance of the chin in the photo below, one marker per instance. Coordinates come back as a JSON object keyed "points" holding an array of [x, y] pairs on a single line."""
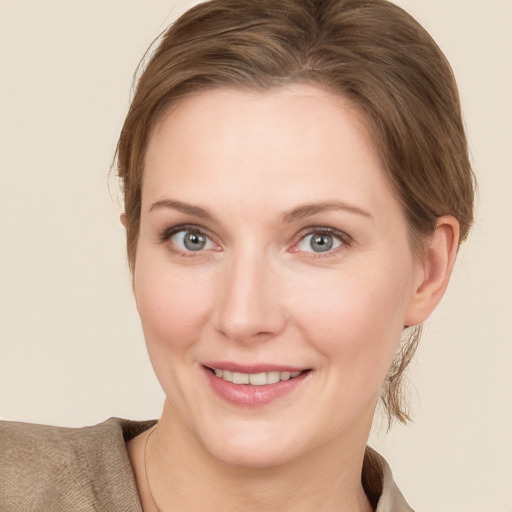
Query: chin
{"points": [[252, 457], [251, 449]]}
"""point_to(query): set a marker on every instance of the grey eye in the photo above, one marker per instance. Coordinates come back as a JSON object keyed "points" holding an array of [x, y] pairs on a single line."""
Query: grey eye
{"points": [[187, 240], [194, 241], [319, 242]]}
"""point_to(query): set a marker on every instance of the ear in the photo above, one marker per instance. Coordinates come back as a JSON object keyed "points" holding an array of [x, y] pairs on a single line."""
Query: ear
{"points": [[434, 270], [124, 221]]}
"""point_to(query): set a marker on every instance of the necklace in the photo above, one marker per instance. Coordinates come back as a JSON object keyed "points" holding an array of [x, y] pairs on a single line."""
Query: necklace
{"points": [[146, 468]]}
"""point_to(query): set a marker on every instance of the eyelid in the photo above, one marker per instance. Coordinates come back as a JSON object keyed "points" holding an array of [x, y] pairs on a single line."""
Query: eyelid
{"points": [[346, 239], [169, 232]]}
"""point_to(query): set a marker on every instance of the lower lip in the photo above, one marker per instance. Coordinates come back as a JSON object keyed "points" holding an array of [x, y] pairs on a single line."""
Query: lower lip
{"points": [[246, 395]]}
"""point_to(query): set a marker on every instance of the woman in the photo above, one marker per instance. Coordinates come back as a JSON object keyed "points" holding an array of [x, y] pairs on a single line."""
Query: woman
{"points": [[296, 187]]}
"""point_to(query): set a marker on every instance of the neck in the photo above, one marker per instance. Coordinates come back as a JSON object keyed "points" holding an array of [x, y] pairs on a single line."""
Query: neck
{"points": [[327, 478]]}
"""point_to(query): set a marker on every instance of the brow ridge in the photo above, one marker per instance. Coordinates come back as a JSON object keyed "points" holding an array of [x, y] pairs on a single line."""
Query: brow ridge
{"points": [[295, 214], [182, 207], [307, 210]]}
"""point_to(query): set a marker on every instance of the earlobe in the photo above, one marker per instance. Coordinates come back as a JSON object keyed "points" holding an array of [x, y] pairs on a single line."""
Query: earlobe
{"points": [[437, 265]]}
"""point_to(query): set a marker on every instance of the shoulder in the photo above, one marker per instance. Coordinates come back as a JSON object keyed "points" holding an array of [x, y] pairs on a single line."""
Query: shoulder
{"points": [[380, 486], [75, 469]]}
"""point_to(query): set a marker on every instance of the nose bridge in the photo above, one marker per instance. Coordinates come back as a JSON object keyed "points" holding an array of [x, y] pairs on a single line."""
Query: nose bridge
{"points": [[249, 308]]}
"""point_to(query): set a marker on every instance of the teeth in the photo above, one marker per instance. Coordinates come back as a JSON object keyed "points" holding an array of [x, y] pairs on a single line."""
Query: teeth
{"points": [[258, 379], [273, 377], [255, 379], [240, 378]]}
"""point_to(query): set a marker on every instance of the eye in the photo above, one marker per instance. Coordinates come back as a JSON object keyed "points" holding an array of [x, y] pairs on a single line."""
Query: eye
{"points": [[320, 242], [190, 240]]}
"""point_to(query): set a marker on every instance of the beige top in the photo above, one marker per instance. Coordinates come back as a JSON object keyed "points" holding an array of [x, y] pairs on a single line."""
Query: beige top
{"points": [[60, 469]]}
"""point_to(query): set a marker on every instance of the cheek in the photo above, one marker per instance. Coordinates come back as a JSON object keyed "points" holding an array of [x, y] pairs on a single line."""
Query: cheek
{"points": [[354, 315], [173, 307]]}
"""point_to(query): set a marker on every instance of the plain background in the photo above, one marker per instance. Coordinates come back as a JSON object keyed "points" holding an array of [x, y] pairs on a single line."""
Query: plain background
{"points": [[71, 348]]}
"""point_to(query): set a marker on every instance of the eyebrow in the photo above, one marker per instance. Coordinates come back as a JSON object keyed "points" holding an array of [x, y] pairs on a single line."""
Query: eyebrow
{"points": [[197, 211], [295, 214], [307, 210]]}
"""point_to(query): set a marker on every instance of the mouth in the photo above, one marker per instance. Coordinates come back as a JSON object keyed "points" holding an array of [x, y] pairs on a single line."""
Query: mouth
{"points": [[255, 379], [256, 385]]}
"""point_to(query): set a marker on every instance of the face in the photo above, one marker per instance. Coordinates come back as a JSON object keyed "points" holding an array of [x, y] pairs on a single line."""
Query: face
{"points": [[273, 275]]}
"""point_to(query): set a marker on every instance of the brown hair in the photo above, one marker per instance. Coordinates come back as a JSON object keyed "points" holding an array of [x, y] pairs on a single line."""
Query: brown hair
{"points": [[369, 51]]}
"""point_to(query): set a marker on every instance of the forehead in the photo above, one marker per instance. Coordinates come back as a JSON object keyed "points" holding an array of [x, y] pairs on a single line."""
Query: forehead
{"points": [[256, 111], [298, 140]]}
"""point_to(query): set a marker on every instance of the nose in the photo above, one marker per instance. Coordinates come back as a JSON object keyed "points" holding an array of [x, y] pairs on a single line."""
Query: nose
{"points": [[249, 305]]}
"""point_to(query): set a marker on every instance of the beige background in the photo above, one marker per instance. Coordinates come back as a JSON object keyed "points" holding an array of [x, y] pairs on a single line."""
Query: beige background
{"points": [[71, 349]]}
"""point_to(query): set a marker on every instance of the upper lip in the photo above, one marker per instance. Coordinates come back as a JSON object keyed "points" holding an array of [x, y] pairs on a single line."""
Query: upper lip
{"points": [[252, 368]]}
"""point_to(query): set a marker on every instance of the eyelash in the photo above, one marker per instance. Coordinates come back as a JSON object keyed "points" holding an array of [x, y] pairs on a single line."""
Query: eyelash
{"points": [[170, 232], [345, 239]]}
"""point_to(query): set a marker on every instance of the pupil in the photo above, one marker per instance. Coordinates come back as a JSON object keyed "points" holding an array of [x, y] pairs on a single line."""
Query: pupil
{"points": [[194, 241], [321, 243]]}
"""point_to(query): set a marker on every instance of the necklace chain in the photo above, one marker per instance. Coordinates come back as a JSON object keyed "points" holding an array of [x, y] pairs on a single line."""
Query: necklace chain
{"points": [[146, 468]]}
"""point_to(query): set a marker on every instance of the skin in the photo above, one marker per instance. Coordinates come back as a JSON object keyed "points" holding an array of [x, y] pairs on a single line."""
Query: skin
{"points": [[259, 293]]}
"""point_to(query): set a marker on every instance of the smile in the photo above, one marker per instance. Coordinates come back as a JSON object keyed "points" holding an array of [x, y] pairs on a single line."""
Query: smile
{"points": [[253, 387], [254, 379]]}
